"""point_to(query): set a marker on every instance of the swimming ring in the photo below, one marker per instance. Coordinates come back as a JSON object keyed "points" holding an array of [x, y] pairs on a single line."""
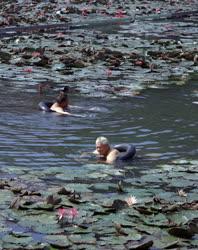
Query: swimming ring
{"points": [[127, 151], [45, 106]]}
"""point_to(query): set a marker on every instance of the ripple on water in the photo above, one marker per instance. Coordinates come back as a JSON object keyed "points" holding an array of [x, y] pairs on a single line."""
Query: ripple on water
{"points": [[155, 124]]}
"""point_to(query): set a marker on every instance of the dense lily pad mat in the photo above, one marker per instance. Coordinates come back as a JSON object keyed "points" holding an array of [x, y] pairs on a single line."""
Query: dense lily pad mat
{"points": [[102, 60], [164, 214]]}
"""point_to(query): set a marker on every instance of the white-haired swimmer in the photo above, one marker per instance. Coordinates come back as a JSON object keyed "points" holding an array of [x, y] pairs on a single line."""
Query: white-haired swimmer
{"points": [[104, 151]]}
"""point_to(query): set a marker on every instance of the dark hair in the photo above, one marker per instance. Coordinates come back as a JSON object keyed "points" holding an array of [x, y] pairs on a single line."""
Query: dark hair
{"points": [[62, 98], [65, 89]]}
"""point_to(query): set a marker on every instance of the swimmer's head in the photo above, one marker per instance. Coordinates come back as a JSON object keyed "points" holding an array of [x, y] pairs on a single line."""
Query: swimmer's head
{"points": [[62, 100], [102, 140], [65, 89], [102, 146]]}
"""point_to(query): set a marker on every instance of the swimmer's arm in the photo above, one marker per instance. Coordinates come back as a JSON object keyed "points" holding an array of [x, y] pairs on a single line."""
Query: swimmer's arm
{"points": [[60, 111], [112, 156]]}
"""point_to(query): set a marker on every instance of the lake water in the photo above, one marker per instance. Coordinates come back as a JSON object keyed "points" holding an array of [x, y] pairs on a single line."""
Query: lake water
{"points": [[162, 124], [46, 151]]}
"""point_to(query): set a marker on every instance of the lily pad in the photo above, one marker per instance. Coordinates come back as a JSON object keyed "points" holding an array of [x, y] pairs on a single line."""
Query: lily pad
{"points": [[144, 244], [158, 220], [85, 239], [6, 197], [22, 241], [166, 242], [43, 223], [181, 232], [60, 241]]}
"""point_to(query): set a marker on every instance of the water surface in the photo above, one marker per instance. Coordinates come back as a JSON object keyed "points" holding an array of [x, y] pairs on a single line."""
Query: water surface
{"points": [[162, 124]]}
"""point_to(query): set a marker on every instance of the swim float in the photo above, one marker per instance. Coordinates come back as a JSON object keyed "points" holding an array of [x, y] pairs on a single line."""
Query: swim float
{"points": [[45, 106], [127, 151]]}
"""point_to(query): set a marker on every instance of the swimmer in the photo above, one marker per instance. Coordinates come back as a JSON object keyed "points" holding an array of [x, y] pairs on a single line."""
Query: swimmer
{"points": [[65, 91], [104, 151], [61, 105]]}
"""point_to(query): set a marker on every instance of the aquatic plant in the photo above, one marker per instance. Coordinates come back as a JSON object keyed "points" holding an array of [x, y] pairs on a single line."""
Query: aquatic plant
{"points": [[68, 213], [131, 200], [28, 70]]}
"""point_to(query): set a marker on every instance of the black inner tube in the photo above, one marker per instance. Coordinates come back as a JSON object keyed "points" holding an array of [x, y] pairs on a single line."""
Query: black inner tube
{"points": [[45, 106], [127, 151]]}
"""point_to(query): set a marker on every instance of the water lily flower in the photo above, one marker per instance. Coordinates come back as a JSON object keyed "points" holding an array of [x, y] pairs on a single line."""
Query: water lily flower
{"points": [[28, 70], [181, 193], [17, 41], [157, 11], [109, 72], [120, 13], [69, 213], [131, 200], [61, 213], [36, 54], [60, 35], [139, 62], [58, 12], [84, 12]]}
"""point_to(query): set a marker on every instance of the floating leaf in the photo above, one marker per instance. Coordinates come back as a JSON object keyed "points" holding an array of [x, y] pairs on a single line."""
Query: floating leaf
{"points": [[85, 239], [143, 244], [166, 242], [158, 220], [181, 232], [60, 241], [21, 241]]}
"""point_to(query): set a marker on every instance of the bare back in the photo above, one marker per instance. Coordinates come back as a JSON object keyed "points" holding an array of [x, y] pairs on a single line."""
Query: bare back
{"points": [[112, 155]]}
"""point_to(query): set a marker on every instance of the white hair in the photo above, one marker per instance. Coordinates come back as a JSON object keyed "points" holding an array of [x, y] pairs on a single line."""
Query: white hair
{"points": [[102, 140]]}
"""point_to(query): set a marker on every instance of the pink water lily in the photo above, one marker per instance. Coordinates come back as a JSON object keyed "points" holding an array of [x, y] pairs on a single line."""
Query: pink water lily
{"points": [[120, 13], [85, 12], [28, 70], [69, 213], [109, 72], [157, 10], [36, 54], [60, 35]]}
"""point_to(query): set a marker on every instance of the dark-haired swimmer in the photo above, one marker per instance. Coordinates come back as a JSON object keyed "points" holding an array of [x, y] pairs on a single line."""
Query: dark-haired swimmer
{"points": [[61, 105]]}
